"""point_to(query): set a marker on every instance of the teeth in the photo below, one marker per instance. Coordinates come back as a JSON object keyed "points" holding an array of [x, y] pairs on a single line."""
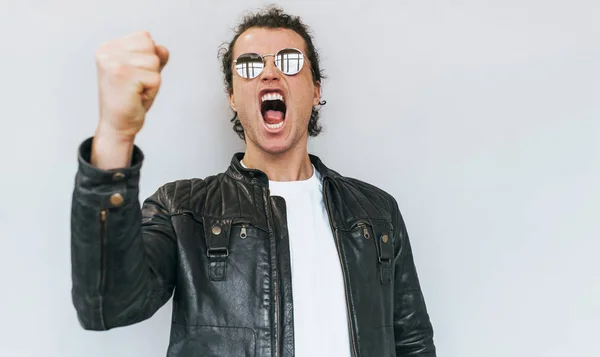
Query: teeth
{"points": [[274, 126], [272, 96]]}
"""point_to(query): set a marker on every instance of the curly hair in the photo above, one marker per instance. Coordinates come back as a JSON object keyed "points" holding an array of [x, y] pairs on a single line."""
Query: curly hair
{"points": [[273, 17]]}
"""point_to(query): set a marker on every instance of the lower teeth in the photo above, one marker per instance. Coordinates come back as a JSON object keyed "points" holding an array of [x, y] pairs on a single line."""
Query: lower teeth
{"points": [[274, 126]]}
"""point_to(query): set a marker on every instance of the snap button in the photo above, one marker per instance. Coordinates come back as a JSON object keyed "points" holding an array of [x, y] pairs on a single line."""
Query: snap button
{"points": [[116, 199], [385, 238], [118, 176], [216, 230]]}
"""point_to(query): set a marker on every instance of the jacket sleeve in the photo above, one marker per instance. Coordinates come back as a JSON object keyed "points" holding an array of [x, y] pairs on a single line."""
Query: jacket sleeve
{"points": [[123, 256], [413, 330]]}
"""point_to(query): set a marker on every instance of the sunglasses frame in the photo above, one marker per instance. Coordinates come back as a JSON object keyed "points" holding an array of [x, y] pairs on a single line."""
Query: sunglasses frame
{"points": [[274, 55]]}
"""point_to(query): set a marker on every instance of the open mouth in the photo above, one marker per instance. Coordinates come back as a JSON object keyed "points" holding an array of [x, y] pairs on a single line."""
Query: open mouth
{"points": [[273, 110]]}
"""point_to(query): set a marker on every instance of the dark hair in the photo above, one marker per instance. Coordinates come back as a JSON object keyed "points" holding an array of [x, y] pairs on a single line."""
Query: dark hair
{"points": [[273, 17]]}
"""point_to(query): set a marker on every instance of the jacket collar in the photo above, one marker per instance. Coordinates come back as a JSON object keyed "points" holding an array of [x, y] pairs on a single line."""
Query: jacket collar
{"points": [[257, 177]]}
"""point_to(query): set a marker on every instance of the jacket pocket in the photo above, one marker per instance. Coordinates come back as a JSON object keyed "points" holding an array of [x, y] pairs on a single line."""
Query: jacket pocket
{"points": [[228, 241], [368, 254], [223, 271], [377, 245], [212, 341]]}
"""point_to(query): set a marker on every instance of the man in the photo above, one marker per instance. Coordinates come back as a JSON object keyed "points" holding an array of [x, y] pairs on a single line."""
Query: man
{"points": [[277, 256]]}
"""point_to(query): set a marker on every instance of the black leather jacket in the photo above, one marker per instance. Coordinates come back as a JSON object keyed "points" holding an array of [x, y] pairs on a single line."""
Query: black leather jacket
{"points": [[219, 246]]}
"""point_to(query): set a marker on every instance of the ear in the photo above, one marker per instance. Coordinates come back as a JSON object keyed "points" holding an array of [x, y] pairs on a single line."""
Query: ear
{"points": [[231, 100], [317, 94]]}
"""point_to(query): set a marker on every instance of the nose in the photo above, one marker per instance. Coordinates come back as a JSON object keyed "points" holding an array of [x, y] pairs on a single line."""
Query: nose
{"points": [[270, 73]]}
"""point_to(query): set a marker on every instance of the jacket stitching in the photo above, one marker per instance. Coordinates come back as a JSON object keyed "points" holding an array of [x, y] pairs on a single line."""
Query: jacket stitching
{"points": [[216, 326]]}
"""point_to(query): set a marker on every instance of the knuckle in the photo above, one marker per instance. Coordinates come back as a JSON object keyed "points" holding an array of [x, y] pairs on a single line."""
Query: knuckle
{"points": [[154, 62], [146, 40], [101, 56], [154, 80], [104, 60], [144, 34], [102, 52], [114, 67], [145, 61], [120, 70]]}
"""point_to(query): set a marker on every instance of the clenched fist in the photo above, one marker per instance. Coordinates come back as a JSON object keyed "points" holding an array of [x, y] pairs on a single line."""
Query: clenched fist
{"points": [[128, 81]]}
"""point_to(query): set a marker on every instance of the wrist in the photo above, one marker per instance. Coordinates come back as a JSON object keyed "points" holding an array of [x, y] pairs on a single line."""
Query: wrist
{"points": [[111, 150], [107, 134]]}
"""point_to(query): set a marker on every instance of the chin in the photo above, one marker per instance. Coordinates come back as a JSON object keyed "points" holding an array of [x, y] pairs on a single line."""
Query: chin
{"points": [[274, 146]]}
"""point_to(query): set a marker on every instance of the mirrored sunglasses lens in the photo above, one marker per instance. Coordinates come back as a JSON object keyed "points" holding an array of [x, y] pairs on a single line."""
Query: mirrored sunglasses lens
{"points": [[249, 65], [289, 61]]}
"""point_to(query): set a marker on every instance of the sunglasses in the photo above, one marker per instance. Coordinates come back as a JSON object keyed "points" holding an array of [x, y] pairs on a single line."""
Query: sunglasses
{"points": [[288, 60]]}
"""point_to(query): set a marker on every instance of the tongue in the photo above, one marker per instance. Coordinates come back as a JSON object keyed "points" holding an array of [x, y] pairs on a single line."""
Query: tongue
{"points": [[273, 116]]}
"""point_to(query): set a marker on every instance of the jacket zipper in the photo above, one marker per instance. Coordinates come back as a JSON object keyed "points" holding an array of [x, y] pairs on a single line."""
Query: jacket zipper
{"points": [[365, 230], [338, 246], [103, 215], [277, 312]]}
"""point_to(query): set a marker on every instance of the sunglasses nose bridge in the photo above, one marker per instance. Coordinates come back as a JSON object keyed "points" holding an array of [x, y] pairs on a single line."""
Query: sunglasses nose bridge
{"points": [[270, 70]]}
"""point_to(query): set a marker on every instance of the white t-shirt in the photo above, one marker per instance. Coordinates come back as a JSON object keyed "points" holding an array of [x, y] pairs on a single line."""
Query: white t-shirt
{"points": [[320, 314]]}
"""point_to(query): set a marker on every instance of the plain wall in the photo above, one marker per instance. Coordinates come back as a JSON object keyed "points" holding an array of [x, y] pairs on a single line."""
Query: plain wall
{"points": [[480, 117]]}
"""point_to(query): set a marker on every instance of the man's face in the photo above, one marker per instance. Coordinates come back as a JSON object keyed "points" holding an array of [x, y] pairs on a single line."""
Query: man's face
{"points": [[281, 128]]}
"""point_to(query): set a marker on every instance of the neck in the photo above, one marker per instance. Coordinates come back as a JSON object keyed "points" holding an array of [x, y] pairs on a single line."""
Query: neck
{"points": [[291, 165]]}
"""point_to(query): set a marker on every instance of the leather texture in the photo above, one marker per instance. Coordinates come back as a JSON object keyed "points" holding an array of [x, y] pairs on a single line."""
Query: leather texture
{"points": [[219, 247]]}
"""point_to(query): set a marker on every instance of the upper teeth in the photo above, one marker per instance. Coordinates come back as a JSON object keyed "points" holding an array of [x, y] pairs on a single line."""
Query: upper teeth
{"points": [[272, 96]]}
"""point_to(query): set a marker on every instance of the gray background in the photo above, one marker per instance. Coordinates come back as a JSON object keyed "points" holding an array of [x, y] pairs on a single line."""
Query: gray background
{"points": [[480, 117]]}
